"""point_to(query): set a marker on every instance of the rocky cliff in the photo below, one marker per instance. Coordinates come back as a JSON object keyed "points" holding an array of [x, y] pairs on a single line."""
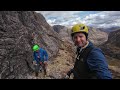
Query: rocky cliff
{"points": [[63, 32], [19, 30], [96, 36], [112, 46], [111, 50], [58, 28]]}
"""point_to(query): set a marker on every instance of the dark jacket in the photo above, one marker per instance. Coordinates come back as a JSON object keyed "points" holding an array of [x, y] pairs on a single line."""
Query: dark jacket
{"points": [[93, 65]]}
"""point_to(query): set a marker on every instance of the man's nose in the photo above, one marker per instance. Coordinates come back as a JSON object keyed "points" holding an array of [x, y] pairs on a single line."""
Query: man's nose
{"points": [[78, 39]]}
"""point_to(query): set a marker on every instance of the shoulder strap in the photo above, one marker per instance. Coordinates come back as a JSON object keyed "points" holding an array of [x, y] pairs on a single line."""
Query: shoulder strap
{"points": [[86, 52], [39, 54]]}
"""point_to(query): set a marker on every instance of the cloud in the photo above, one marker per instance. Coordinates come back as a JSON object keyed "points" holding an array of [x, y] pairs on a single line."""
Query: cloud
{"points": [[98, 19], [104, 19], [65, 14], [61, 17]]}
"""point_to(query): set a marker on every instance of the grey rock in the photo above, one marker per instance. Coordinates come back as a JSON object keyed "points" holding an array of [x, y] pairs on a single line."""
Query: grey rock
{"points": [[112, 46]]}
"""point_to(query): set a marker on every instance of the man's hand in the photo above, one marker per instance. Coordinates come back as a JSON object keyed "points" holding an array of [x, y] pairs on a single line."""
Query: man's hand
{"points": [[69, 72], [65, 74], [66, 77]]}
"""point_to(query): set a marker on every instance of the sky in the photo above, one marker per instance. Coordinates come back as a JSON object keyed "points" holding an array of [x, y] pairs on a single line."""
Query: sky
{"points": [[98, 19]]}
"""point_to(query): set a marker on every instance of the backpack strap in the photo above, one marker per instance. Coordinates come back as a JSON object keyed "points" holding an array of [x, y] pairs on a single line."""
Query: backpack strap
{"points": [[86, 52], [81, 62]]}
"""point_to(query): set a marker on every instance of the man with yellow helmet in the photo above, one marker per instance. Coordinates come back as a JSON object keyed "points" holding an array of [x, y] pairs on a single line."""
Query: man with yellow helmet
{"points": [[90, 61]]}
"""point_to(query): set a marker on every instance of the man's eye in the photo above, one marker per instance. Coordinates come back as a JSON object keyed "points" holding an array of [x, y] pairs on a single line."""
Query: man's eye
{"points": [[75, 37]]}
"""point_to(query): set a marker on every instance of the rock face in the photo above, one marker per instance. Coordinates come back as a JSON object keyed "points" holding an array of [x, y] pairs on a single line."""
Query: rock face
{"points": [[19, 30], [63, 32], [63, 62], [114, 37], [108, 30], [111, 49], [58, 28], [96, 36], [112, 46]]}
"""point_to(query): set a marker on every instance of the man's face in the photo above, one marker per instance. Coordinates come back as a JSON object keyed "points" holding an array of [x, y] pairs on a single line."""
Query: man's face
{"points": [[79, 39]]}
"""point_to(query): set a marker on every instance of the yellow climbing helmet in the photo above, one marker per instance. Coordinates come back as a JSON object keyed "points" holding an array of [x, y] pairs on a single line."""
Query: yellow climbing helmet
{"points": [[79, 28]]}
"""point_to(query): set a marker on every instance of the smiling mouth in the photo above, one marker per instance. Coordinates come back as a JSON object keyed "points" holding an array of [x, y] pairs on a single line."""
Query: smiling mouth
{"points": [[79, 44]]}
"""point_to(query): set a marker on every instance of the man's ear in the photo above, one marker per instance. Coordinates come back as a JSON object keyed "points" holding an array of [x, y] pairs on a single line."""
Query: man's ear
{"points": [[72, 38]]}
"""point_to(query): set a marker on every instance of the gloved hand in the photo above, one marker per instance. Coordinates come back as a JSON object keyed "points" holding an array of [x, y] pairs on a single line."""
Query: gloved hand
{"points": [[66, 77], [69, 72]]}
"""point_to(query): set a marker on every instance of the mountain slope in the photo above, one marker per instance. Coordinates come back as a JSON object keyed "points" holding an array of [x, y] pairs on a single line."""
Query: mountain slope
{"points": [[111, 49], [112, 46], [96, 36]]}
